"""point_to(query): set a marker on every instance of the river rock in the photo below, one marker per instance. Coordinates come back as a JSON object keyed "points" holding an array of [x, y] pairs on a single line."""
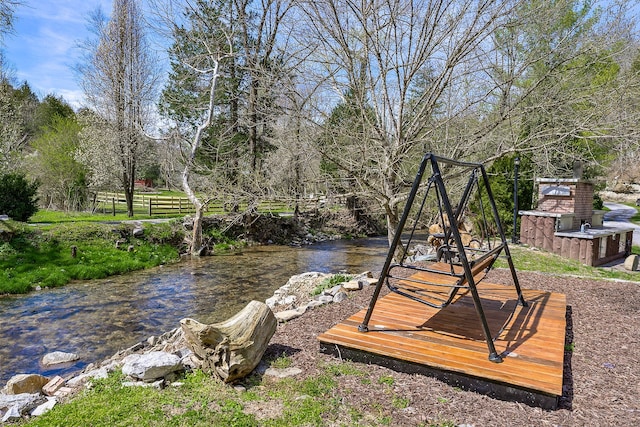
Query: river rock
{"points": [[25, 383], [58, 357], [340, 296], [368, 281], [50, 388], [631, 262], [77, 381], [333, 291], [352, 285], [151, 366], [282, 373], [12, 407], [325, 298], [316, 303], [286, 315], [45, 407], [138, 231]]}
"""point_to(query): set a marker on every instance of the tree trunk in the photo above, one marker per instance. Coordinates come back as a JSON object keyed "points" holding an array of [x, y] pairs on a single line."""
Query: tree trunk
{"points": [[196, 233], [232, 349], [128, 195]]}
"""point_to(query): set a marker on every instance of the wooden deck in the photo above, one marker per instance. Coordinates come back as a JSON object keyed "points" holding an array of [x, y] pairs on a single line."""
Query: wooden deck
{"points": [[449, 343]]}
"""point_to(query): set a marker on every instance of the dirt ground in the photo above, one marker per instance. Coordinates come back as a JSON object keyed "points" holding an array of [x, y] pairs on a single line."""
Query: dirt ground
{"points": [[601, 379]]}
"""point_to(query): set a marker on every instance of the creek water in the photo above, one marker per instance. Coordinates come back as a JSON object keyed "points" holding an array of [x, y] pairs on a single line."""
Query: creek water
{"points": [[97, 318]]}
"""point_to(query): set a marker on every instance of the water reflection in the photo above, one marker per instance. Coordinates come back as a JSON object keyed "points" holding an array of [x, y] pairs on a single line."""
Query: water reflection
{"points": [[97, 318]]}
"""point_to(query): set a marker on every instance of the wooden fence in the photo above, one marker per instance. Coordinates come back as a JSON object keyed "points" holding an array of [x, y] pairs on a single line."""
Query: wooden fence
{"points": [[155, 204]]}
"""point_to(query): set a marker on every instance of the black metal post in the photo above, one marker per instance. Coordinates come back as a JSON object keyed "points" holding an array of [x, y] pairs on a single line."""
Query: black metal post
{"points": [[514, 236], [428, 158]]}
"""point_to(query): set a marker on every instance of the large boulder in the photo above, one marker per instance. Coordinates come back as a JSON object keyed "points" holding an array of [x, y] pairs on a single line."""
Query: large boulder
{"points": [[25, 383], [151, 366]]}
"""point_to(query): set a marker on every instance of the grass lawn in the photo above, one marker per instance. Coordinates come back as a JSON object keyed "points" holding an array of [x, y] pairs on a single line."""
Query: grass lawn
{"points": [[204, 401], [528, 259], [43, 257], [44, 216]]}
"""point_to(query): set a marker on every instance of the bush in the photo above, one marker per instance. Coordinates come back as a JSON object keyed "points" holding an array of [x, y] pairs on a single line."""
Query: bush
{"points": [[18, 197], [598, 204]]}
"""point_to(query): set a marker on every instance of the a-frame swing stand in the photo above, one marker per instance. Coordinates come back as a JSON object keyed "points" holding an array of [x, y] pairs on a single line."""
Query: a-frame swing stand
{"points": [[441, 317]]}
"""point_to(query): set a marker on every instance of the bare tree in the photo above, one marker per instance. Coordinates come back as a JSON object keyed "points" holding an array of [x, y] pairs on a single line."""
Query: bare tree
{"points": [[7, 9], [201, 43], [220, 96], [465, 79], [371, 55], [553, 76], [119, 80], [11, 137], [11, 132]]}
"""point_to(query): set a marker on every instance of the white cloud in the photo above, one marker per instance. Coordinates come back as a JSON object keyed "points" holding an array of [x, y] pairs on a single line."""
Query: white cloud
{"points": [[43, 48]]}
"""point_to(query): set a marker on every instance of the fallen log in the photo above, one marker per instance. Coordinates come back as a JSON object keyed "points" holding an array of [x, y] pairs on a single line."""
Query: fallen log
{"points": [[231, 349]]}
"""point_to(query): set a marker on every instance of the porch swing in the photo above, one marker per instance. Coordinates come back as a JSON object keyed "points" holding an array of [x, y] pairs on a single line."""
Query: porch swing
{"points": [[448, 262]]}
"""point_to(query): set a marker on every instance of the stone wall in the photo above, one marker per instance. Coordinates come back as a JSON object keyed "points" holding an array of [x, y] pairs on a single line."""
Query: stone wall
{"points": [[539, 231]]}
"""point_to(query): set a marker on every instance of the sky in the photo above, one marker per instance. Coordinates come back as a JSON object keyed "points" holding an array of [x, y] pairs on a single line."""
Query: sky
{"points": [[43, 47]]}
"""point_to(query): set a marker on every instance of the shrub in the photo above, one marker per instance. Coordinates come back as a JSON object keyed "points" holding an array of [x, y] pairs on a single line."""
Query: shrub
{"points": [[598, 204], [18, 197]]}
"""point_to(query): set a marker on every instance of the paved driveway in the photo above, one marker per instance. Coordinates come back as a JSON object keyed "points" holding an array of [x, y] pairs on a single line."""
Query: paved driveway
{"points": [[619, 216]]}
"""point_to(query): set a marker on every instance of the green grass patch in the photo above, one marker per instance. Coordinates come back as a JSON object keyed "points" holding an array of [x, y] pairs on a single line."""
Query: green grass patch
{"points": [[200, 401], [345, 368], [528, 259], [45, 216], [330, 282], [221, 243], [45, 257], [281, 362], [204, 401]]}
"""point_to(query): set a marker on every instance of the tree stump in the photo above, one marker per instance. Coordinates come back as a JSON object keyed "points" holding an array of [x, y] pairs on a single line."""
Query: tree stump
{"points": [[232, 349]]}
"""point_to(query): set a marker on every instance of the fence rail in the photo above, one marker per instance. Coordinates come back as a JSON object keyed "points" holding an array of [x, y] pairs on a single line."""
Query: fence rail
{"points": [[155, 204]]}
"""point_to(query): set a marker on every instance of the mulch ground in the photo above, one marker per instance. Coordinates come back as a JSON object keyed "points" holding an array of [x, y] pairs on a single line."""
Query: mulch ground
{"points": [[602, 373]]}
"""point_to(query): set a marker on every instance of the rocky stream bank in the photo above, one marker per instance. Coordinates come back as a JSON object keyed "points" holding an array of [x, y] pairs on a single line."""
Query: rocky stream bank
{"points": [[162, 360]]}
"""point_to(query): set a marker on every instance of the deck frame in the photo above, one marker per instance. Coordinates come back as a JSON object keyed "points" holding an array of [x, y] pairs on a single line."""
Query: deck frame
{"points": [[402, 338]]}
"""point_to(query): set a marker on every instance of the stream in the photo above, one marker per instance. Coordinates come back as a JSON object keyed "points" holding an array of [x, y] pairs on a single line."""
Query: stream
{"points": [[97, 318]]}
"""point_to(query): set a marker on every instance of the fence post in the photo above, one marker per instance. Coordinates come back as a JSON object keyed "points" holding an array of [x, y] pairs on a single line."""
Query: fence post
{"points": [[113, 205], [150, 199]]}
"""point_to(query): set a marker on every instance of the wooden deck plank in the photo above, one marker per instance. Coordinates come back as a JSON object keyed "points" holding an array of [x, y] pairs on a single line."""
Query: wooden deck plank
{"points": [[450, 340], [437, 349]]}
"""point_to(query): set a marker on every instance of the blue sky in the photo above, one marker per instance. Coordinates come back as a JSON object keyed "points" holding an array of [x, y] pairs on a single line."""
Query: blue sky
{"points": [[42, 50]]}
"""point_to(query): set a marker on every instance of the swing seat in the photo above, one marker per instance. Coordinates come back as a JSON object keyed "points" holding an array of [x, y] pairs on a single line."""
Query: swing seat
{"points": [[458, 267], [438, 284]]}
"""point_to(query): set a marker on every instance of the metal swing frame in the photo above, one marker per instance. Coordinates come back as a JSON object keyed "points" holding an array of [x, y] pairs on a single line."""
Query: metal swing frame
{"points": [[462, 274]]}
